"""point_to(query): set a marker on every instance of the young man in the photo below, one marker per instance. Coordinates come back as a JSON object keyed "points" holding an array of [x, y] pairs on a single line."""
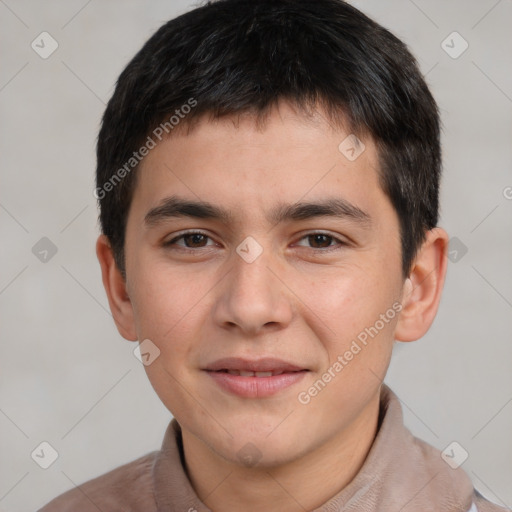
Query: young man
{"points": [[268, 177]]}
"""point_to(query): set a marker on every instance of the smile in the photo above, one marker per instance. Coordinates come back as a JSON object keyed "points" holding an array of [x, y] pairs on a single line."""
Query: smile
{"points": [[247, 384], [243, 373]]}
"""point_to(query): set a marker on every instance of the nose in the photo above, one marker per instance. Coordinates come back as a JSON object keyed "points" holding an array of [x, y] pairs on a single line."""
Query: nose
{"points": [[253, 296]]}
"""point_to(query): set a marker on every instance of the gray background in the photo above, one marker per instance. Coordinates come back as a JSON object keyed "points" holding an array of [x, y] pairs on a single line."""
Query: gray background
{"points": [[68, 378]]}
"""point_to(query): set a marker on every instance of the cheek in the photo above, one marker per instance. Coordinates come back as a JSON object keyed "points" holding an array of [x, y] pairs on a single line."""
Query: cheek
{"points": [[358, 344], [356, 305], [168, 311], [165, 302]]}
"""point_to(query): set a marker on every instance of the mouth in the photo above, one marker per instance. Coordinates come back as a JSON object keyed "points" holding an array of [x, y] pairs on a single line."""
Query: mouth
{"points": [[254, 366], [255, 378], [242, 373]]}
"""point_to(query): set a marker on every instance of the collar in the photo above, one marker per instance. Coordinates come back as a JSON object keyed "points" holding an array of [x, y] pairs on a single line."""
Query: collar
{"points": [[400, 473]]}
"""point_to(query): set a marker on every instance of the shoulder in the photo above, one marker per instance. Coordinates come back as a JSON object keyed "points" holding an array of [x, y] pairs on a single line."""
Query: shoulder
{"points": [[458, 479], [483, 505], [128, 488]]}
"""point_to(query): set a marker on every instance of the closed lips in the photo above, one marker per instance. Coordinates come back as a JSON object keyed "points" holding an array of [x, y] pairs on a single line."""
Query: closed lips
{"points": [[254, 378], [251, 368], [243, 373]]}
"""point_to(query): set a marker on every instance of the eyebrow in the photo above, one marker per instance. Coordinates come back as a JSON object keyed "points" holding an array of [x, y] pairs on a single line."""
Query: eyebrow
{"points": [[176, 207]]}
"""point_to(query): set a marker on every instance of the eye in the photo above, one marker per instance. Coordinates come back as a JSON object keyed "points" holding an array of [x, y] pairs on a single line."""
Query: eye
{"points": [[323, 240], [191, 240]]}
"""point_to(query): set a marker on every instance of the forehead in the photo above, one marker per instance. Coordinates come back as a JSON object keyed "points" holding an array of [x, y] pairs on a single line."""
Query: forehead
{"points": [[246, 166]]}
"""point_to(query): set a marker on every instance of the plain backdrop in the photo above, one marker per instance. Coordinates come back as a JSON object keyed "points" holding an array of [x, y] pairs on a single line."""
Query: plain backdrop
{"points": [[68, 378]]}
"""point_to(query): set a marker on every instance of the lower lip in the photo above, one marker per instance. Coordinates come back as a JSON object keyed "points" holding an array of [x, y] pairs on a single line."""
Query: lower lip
{"points": [[256, 387]]}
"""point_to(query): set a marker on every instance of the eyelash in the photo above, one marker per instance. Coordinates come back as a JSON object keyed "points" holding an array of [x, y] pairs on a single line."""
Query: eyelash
{"points": [[172, 242]]}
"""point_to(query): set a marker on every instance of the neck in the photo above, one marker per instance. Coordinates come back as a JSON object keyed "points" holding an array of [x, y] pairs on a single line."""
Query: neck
{"points": [[301, 484]]}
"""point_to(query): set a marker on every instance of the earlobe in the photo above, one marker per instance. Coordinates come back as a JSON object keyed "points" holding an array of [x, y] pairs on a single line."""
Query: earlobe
{"points": [[423, 288], [115, 287]]}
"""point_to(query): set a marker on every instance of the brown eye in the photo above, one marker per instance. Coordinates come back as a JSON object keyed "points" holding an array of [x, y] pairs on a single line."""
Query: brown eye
{"points": [[191, 240], [194, 240], [322, 241]]}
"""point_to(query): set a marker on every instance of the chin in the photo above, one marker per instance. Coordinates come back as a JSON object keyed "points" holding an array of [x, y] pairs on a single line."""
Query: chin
{"points": [[262, 450], [252, 455]]}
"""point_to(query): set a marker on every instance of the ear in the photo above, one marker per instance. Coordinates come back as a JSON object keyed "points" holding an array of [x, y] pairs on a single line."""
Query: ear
{"points": [[422, 289], [115, 286]]}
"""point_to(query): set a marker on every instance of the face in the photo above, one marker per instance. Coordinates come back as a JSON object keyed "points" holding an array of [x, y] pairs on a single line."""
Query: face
{"points": [[258, 281]]}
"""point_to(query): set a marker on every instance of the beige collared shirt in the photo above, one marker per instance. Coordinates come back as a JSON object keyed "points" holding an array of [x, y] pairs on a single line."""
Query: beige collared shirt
{"points": [[400, 473]]}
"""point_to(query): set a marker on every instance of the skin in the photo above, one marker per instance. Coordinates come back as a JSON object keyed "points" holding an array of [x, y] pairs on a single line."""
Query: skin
{"points": [[303, 300]]}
